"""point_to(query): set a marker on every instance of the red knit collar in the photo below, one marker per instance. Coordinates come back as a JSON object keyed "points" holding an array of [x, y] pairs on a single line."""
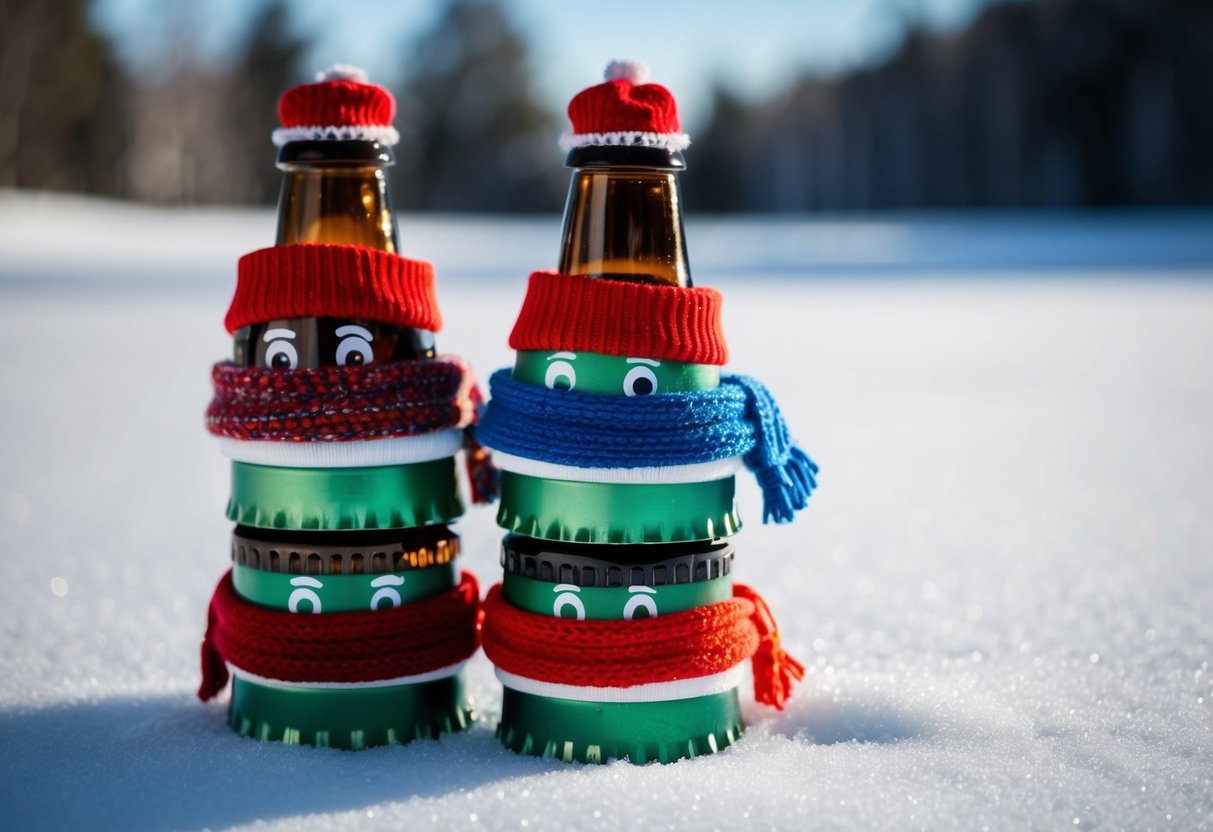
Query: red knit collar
{"points": [[584, 314], [341, 281]]}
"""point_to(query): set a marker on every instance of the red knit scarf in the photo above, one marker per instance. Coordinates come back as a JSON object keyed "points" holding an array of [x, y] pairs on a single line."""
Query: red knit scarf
{"points": [[623, 653], [335, 404], [363, 646]]}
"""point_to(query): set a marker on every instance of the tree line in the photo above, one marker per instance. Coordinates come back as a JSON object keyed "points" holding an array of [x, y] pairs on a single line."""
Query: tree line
{"points": [[1045, 103]]}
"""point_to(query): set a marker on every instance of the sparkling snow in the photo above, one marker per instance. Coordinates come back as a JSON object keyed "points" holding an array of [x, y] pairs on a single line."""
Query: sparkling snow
{"points": [[1002, 588]]}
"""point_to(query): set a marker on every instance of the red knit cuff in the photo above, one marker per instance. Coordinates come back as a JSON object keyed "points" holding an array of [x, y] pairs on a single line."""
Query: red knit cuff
{"points": [[583, 314], [338, 281]]}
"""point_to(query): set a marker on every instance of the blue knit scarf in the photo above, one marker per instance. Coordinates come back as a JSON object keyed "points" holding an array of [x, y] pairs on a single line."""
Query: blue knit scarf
{"points": [[593, 430]]}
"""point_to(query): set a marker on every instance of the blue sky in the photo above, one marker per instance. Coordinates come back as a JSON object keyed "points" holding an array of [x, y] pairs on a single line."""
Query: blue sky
{"points": [[755, 47]]}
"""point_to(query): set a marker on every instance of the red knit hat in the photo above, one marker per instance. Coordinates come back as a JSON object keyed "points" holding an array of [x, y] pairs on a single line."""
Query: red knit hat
{"points": [[314, 280], [340, 106], [589, 314], [625, 111]]}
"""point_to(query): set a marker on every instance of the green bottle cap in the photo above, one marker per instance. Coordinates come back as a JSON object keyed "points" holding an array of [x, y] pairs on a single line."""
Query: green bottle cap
{"points": [[384, 497], [375, 552], [652, 564], [349, 719], [340, 593], [583, 512], [345, 717], [592, 372], [641, 732]]}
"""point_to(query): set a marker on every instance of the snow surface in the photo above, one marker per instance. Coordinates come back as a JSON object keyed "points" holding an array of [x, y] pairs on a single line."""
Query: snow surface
{"points": [[1002, 588]]}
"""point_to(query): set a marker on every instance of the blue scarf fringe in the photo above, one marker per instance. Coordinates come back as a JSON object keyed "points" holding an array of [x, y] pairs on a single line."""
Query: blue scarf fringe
{"points": [[592, 430]]}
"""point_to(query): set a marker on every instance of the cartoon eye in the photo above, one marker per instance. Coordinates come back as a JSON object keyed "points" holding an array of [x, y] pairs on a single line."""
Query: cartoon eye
{"points": [[387, 591], [280, 353], [355, 346], [568, 598], [560, 374], [640, 381], [642, 599], [306, 592]]}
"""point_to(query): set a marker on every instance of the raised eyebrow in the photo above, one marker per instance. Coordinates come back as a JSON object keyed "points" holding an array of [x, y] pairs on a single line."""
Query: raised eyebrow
{"points": [[271, 334], [306, 580], [650, 361], [354, 329], [568, 355]]}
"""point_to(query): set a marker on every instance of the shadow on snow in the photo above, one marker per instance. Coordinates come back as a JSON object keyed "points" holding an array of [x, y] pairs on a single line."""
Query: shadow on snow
{"points": [[168, 761]]}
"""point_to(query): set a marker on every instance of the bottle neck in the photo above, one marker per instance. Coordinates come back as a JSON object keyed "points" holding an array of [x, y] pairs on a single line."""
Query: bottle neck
{"points": [[625, 223], [328, 197]]}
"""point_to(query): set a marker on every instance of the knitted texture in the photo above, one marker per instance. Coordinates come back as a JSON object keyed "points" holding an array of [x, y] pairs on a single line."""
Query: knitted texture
{"points": [[584, 314], [624, 653], [593, 430], [339, 281], [363, 646], [622, 111], [339, 107], [336, 404]]}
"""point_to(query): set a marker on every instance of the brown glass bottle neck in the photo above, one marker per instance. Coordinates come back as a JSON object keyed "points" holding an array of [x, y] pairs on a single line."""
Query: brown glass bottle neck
{"points": [[625, 223], [327, 201]]}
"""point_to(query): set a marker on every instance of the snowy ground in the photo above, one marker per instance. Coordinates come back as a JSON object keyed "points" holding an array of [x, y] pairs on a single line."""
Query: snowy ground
{"points": [[1002, 588]]}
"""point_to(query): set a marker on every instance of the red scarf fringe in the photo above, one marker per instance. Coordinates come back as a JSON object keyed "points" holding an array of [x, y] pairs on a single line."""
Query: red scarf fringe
{"points": [[360, 646], [618, 653]]}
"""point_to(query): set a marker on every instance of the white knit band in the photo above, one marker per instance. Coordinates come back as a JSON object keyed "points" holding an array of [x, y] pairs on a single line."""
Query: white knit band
{"points": [[394, 450], [626, 138], [661, 475], [429, 676], [385, 134], [654, 692]]}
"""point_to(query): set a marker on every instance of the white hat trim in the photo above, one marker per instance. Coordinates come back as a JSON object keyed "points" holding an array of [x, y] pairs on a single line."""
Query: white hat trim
{"points": [[385, 134], [625, 138]]}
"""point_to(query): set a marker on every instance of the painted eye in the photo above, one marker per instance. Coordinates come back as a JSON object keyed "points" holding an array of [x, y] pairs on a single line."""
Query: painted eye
{"points": [[568, 598], [355, 347], [281, 355], [305, 592], [642, 599], [640, 381], [386, 592], [561, 375]]}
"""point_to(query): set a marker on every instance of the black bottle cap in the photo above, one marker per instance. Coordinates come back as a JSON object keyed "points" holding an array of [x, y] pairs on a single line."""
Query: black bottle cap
{"points": [[609, 565], [361, 152], [374, 552], [621, 156]]}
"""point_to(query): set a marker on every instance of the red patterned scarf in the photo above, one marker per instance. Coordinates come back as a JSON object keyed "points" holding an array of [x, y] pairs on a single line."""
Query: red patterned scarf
{"points": [[338, 404]]}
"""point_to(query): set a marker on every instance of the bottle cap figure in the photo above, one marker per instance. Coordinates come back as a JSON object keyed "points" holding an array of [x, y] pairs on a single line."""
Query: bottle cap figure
{"points": [[343, 621], [617, 630]]}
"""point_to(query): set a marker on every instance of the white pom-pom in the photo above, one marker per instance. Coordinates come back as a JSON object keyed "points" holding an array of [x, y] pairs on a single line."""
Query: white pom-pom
{"points": [[343, 72], [635, 71]]}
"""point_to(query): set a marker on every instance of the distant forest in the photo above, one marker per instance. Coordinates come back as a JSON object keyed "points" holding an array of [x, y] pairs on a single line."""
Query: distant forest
{"points": [[1043, 103]]}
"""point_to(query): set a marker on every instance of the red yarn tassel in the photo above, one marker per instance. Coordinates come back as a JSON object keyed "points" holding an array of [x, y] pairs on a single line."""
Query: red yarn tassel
{"points": [[774, 670], [214, 668]]}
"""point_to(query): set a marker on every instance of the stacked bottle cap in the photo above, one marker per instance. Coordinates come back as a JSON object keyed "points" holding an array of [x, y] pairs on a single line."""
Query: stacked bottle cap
{"points": [[617, 630], [343, 621]]}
